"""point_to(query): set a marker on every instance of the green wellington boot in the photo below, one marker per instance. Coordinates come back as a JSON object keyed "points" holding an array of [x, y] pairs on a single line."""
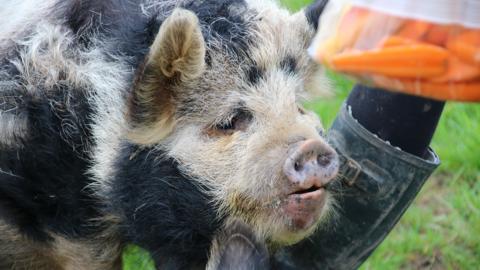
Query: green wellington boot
{"points": [[378, 182]]}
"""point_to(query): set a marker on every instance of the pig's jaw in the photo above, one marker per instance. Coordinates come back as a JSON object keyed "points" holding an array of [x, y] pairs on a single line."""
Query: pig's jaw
{"points": [[300, 215], [305, 209], [289, 218]]}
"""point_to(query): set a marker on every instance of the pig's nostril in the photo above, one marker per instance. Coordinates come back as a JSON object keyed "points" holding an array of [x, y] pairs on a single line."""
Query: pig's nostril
{"points": [[324, 159]]}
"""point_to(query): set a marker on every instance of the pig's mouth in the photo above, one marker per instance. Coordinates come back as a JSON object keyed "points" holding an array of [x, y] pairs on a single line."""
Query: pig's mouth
{"points": [[305, 191], [304, 207]]}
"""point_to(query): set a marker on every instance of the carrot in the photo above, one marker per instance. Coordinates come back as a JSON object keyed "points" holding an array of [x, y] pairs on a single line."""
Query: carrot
{"points": [[393, 41], [440, 91], [351, 27], [405, 70], [458, 71], [353, 16], [438, 34], [414, 29], [348, 31], [470, 37], [412, 61], [421, 53], [466, 46]]}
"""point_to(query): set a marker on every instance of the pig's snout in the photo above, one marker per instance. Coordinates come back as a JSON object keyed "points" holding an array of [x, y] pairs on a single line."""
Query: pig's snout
{"points": [[311, 164]]}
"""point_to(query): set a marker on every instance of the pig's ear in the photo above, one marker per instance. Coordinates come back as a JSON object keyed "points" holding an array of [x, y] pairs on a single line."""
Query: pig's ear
{"points": [[176, 56], [179, 48]]}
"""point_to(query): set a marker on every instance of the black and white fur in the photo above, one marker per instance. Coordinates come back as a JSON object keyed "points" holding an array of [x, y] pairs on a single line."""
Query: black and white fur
{"points": [[100, 103]]}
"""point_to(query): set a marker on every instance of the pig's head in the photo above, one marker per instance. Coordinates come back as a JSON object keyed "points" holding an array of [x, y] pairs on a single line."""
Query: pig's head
{"points": [[220, 93]]}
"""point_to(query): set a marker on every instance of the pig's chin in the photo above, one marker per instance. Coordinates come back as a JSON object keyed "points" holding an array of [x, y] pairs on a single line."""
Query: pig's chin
{"points": [[289, 218], [299, 215]]}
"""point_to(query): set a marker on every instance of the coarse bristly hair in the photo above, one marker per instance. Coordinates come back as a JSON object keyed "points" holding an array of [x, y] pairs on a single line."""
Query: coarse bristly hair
{"points": [[151, 122]]}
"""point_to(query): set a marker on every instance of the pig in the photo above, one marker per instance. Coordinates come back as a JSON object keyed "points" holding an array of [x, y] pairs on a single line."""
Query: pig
{"points": [[157, 123]]}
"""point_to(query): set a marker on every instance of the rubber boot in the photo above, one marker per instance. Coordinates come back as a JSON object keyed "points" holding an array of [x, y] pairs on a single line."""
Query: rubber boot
{"points": [[378, 183]]}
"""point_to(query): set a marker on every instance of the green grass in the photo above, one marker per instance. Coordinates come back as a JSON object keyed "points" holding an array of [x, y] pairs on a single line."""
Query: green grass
{"points": [[295, 4], [135, 258], [441, 230]]}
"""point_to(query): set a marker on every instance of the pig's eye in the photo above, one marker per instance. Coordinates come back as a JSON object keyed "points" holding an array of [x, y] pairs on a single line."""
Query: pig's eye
{"points": [[239, 120]]}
